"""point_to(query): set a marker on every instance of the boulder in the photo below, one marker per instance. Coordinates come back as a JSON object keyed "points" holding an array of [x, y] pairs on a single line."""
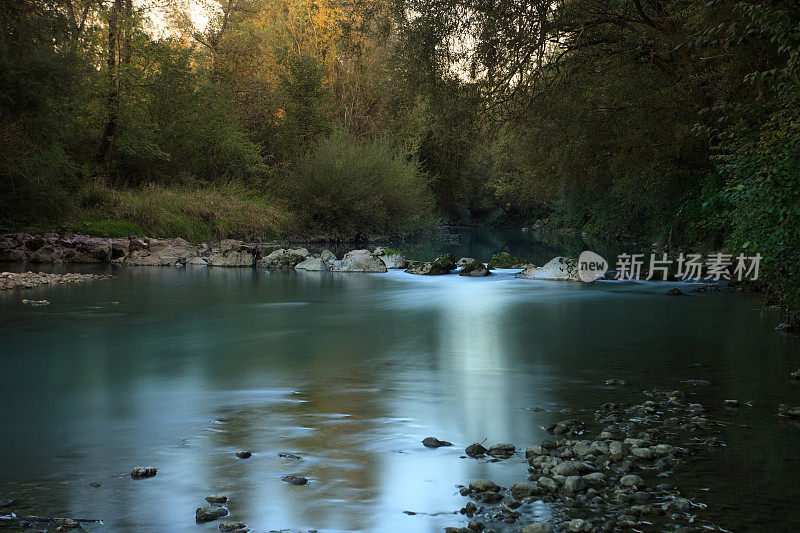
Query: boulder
{"points": [[506, 260], [523, 489], [328, 256], [165, 252], [433, 442], [474, 270], [394, 261], [283, 259], [313, 264], [464, 261], [483, 485], [13, 255], [93, 249], [143, 472], [475, 450], [50, 253], [209, 513], [360, 261], [447, 260], [557, 269], [631, 480], [233, 258], [427, 269]]}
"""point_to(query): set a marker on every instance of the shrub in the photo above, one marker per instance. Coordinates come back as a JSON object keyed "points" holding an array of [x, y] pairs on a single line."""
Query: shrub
{"points": [[345, 187]]}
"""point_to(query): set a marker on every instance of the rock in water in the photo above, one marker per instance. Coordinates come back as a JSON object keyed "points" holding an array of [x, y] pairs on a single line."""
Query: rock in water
{"points": [[142, 472], [314, 264], [427, 269], [631, 480], [506, 260], [433, 442], [503, 451], [476, 450], [483, 485], [243, 454], [232, 526], [360, 261], [447, 261], [215, 498], [675, 291], [474, 270], [394, 261], [464, 261], [539, 527], [283, 259], [294, 480], [790, 412], [557, 269], [208, 513]]}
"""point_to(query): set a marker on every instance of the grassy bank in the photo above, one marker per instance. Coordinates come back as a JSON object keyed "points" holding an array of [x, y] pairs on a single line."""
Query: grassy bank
{"points": [[194, 213]]}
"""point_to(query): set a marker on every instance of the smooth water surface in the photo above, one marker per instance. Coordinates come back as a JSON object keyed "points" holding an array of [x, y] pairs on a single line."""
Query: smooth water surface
{"points": [[177, 368]]}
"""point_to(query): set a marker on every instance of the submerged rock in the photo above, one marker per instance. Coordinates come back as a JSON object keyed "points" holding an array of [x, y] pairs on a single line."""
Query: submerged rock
{"points": [[294, 480], [675, 291], [557, 269], [539, 527], [232, 526], [433, 442]]}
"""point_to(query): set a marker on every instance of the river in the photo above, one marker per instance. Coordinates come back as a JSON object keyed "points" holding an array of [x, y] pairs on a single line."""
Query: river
{"points": [[178, 368]]}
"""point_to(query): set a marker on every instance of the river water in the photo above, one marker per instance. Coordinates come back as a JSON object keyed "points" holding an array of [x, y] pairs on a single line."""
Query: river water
{"points": [[177, 368]]}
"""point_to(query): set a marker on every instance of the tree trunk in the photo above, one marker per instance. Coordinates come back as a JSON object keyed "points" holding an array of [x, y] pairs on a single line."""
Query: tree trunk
{"points": [[106, 154]]}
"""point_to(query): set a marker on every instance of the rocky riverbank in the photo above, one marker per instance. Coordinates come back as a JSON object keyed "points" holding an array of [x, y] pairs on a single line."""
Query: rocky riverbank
{"points": [[614, 471], [145, 251], [27, 280]]}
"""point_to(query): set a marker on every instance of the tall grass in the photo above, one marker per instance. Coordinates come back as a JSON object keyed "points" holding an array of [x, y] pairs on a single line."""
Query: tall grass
{"points": [[195, 214]]}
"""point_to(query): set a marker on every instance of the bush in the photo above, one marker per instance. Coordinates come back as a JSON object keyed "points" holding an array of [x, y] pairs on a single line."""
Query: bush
{"points": [[345, 187]]}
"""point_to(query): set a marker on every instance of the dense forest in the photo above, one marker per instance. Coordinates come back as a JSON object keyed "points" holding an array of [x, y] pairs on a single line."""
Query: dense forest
{"points": [[675, 121]]}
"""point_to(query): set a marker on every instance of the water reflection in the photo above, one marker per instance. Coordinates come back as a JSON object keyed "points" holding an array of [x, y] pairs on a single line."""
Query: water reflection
{"points": [[349, 372]]}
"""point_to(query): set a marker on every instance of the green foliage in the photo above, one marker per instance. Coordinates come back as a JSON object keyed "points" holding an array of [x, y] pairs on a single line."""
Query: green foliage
{"points": [[344, 186], [109, 228], [760, 160]]}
